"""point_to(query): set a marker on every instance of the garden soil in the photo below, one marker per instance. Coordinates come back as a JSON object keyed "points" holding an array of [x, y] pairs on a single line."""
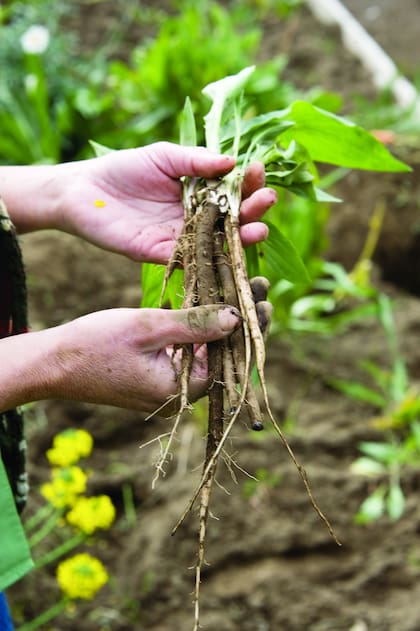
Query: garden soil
{"points": [[271, 563]]}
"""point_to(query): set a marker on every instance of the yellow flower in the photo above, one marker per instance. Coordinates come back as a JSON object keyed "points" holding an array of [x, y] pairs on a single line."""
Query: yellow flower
{"points": [[66, 484], [81, 576], [69, 446], [90, 513]]}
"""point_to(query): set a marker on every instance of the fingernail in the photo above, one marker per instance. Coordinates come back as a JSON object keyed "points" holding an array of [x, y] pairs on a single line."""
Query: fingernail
{"points": [[229, 318]]}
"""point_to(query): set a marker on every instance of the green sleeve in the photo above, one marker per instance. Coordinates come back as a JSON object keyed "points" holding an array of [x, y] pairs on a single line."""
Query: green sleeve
{"points": [[15, 557]]}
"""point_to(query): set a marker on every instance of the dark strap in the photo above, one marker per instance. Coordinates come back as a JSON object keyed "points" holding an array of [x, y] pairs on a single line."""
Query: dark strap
{"points": [[13, 320]]}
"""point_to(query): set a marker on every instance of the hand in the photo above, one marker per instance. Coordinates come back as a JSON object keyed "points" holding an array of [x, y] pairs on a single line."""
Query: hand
{"points": [[130, 201], [120, 357]]}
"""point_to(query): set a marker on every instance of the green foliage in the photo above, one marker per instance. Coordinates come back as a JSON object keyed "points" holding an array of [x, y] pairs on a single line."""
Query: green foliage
{"points": [[284, 141], [72, 96], [398, 404], [335, 140], [335, 298], [284, 8], [38, 91], [152, 277], [283, 258], [385, 114], [148, 92]]}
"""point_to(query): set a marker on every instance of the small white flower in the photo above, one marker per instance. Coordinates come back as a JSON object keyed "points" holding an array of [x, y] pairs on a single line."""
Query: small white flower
{"points": [[35, 40], [31, 83]]}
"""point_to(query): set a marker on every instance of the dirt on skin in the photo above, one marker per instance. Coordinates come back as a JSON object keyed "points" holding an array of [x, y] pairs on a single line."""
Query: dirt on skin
{"points": [[272, 565]]}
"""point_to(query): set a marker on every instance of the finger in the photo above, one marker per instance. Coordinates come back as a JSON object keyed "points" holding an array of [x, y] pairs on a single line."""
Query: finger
{"points": [[254, 179], [188, 326], [259, 287], [176, 161], [257, 204], [252, 233]]}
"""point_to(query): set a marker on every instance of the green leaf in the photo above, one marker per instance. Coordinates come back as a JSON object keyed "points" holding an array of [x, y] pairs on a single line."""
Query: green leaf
{"points": [[252, 260], [395, 501], [335, 140], [264, 128], [399, 380], [188, 131], [415, 433], [220, 92], [152, 277], [323, 196], [380, 376], [335, 322], [100, 150], [358, 391], [271, 121], [372, 508], [223, 89], [367, 466], [383, 452], [283, 258], [151, 284]]}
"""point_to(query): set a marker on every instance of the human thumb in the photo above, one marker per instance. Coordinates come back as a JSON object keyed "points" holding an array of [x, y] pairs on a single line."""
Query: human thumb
{"points": [[196, 324]]}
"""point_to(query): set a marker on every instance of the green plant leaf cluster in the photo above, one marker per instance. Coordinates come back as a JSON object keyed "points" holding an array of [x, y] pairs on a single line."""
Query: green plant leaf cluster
{"points": [[383, 500], [124, 99], [398, 406], [148, 91], [284, 141], [335, 140], [45, 98]]}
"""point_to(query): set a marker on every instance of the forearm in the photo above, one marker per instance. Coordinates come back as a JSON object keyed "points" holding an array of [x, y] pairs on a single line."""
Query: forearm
{"points": [[33, 195], [28, 370]]}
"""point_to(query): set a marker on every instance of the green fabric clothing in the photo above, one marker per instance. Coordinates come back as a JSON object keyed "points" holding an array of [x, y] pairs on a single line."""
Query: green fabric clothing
{"points": [[15, 556]]}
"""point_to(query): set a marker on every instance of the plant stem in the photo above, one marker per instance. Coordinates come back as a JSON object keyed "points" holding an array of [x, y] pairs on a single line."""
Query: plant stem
{"points": [[59, 551], [44, 617], [129, 505], [39, 516], [38, 536]]}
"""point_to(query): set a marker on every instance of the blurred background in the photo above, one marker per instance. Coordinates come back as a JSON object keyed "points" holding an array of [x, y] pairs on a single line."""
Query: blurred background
{"points": [[343, 362]]}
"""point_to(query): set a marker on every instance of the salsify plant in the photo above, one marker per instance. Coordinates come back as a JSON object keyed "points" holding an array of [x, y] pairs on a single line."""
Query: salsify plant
{"points": [[215, 268]]}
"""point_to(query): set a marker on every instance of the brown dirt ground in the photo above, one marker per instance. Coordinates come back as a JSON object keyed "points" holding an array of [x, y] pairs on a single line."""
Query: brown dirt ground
{"points": [[272, 566]]}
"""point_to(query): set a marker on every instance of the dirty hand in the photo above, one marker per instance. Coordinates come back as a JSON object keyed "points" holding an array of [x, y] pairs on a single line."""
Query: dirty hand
{"points": [[120, 357], [130, 201]]}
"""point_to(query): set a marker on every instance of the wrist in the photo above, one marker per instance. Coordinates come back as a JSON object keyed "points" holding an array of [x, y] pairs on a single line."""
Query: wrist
{"points": [[33, 195], [29, 367]]}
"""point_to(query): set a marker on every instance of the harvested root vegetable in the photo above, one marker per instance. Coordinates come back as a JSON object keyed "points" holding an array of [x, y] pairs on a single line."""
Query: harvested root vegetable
{"points": [[210, 252]]}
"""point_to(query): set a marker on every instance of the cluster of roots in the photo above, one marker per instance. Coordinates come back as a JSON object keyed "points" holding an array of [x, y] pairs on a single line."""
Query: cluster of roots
{"points": [[211, 254]]}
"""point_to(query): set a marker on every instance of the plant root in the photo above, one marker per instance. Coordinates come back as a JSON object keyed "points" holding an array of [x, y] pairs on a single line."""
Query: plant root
{"points": [[211, 253]]}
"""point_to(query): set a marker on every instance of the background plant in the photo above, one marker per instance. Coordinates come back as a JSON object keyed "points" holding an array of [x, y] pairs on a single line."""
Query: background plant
{"points": [[148, 90], [36, 116], [67, 520], [398, 419], [52, 103], [289, 142]]}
